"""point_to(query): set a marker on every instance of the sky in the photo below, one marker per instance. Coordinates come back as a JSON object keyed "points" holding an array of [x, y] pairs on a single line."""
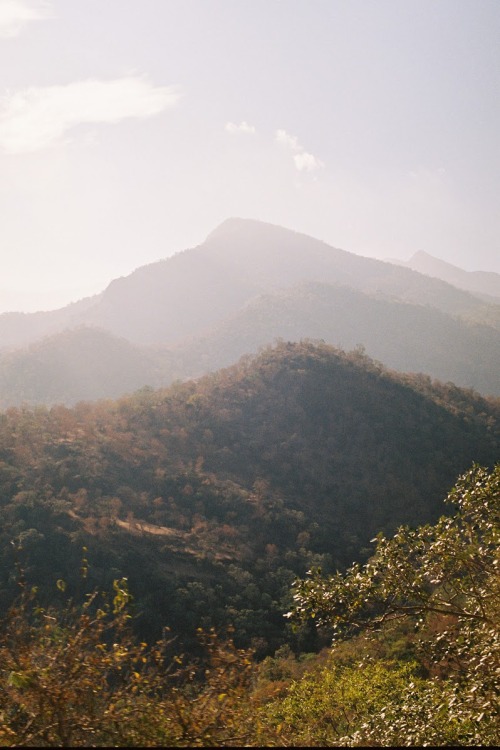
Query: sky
{"points": [[130, 129]]}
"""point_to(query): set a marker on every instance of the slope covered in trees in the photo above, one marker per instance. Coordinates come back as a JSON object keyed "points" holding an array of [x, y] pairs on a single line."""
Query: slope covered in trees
{"points": [[211, 496]]}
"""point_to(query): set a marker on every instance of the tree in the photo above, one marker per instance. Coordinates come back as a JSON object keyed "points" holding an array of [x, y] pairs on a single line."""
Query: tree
{"points": [[448, 574]]}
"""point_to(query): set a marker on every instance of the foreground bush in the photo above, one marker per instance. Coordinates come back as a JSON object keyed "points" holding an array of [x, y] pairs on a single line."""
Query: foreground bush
{"points": [[76, 677]]}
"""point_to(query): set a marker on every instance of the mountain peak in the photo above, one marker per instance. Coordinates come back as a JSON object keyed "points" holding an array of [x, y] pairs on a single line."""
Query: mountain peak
{"points": [[422, 255], [431, 262], [236, 226]]}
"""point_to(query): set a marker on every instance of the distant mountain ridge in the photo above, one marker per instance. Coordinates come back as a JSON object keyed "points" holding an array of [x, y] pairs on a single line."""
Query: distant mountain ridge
{"points": [[479, 282], [248, 284], [82, 364], [165, 301], [18, 329]]}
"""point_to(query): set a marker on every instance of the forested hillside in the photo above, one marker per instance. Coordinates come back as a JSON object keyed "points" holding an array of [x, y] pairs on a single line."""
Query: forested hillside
{"points": [[211, 496]]}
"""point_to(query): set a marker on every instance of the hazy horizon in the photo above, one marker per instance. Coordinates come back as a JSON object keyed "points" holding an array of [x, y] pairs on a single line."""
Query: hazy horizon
{"points": [[130, 130]]}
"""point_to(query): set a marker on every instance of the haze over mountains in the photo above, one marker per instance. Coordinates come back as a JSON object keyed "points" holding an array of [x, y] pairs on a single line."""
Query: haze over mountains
{"points": [[246, 285]]}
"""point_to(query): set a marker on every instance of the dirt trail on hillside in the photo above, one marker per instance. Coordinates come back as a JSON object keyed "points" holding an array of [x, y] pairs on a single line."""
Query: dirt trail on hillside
{"points": [[149, 528]]}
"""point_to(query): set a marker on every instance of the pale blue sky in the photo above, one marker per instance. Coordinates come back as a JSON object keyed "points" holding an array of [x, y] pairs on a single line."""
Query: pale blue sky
{"points": [[130, 128]]}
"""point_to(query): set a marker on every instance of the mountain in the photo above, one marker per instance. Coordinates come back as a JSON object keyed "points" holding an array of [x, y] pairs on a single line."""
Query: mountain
{"points": [[165, 302], [184, 295], [275, 258], [486, 283], [210, 496]]}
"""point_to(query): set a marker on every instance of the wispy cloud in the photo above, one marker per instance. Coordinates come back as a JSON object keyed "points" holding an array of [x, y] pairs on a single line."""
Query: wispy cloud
{"points": [[14, 14], [303, 160], [243, 127], [37, 118], [290, 141]]}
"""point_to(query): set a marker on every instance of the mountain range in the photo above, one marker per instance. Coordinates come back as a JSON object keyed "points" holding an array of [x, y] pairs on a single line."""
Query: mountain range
{"points": [[247, 285]]}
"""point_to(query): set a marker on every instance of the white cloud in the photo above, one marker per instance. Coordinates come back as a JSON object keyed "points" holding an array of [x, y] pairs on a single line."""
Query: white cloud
{"points": [[307, 162], [14, 14], [304, 161], [243, 127], [37, 118], [290, 141]]}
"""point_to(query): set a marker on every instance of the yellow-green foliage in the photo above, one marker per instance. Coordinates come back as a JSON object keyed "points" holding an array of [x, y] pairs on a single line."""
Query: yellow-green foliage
{"points": [[77, 677], [326, 705]]}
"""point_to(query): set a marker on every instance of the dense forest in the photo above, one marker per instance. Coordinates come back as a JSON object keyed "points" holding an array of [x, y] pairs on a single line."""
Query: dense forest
{"points": [[210, 497]]}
